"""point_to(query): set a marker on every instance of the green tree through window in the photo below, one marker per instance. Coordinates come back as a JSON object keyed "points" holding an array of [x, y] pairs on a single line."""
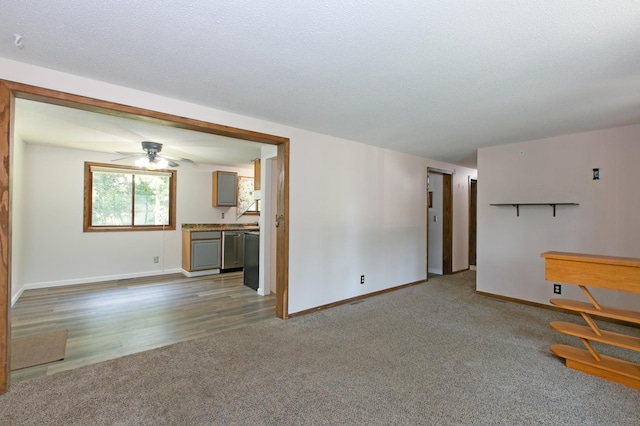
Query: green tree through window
{"points": [[151, 200], [111, 199], [128, 198]]}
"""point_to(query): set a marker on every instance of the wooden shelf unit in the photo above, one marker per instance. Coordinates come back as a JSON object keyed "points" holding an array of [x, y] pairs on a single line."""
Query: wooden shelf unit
{"points": [[608, 272]]}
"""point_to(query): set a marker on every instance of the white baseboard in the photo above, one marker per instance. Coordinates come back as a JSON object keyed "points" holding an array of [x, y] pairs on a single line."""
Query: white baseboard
{"points": [[435, 271], [200, 273], [472, 267], [16, 296], [88, 280]]}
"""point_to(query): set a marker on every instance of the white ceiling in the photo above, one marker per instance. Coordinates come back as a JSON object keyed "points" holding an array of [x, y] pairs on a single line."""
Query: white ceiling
{"points": [[436, 78], [46, 124]]}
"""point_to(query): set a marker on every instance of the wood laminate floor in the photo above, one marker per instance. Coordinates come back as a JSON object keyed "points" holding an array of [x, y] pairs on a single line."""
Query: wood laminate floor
{"points": [[116, 318]]}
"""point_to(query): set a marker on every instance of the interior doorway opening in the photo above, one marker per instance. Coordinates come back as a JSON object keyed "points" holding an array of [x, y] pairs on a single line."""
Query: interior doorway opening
{"points": [[439, 222], [473, 214], [9, 91]]}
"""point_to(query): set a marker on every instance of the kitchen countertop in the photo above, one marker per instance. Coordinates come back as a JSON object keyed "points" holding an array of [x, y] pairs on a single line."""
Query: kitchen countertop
{"points": [[197, 227]]}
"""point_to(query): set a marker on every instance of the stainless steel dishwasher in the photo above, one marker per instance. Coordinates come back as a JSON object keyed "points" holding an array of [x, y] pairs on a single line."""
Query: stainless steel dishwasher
{"points": [[232, 250]]}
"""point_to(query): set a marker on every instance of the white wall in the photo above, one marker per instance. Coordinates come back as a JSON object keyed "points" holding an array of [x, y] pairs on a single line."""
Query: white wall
{"points": [[18, 224], [354, 209], [557, 170], [360, 210], [268, 236], [56, 251], [436, 234]]}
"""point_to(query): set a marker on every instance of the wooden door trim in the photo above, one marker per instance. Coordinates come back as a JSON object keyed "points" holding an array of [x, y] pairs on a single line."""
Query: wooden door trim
{"points": [[10, 90], [447, 224], [282, 233], [473, 226], [6, 136]]}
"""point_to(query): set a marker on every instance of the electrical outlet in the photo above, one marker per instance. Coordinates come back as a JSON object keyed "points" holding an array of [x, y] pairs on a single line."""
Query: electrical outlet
{"points": [[222, 215], [361, 279], [557, 289], [156, 259], [596, 174]]}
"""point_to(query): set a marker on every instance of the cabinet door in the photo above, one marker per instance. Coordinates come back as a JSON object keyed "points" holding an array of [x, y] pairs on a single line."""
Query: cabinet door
{"points": [[205, 254], [225, 189]]}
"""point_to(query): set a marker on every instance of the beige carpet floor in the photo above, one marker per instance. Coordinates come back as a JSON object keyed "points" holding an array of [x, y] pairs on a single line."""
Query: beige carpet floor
{"points": [[431, 354]]}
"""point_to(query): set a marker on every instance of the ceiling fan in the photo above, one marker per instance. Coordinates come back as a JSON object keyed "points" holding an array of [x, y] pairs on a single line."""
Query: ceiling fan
{"points": [[151, 157]]}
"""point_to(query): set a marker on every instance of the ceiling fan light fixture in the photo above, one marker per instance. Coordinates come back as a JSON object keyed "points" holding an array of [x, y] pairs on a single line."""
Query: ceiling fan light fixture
{"points": [[152, 159], [161, 163]]}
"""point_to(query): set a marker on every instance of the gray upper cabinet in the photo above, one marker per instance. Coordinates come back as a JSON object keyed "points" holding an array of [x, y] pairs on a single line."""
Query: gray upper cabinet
{"points": [[225, 189]]}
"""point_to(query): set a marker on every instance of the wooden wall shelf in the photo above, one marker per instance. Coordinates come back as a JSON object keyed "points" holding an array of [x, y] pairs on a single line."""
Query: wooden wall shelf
{"points": [[517, 205], [608, 272]]}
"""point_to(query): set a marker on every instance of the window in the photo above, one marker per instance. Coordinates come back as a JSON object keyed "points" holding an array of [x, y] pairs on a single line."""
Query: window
{"points": [[247, 204], [123, 198]]}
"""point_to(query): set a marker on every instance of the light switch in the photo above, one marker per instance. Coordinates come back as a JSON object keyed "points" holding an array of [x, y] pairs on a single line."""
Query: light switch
{"points": [[435, 218]]}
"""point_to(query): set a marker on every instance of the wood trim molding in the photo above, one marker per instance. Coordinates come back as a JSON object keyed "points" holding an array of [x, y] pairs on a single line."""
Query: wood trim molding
{"points": [[282, 232], [472, 185], [447, 224], [355, 299], [9, 90], [25, 91], [6, 111]]}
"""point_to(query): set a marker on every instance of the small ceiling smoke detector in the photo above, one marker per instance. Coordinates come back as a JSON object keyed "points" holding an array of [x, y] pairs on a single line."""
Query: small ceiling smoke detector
{"points": [[18, 41]]}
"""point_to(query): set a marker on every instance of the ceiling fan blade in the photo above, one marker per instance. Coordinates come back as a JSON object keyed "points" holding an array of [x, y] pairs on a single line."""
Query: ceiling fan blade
{"points": [[172, 158], [142, 154], [152, 152], [127, 157]]}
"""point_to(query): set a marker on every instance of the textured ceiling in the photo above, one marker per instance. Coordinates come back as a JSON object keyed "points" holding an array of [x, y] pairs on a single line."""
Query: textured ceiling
{"points": [[436, 78]]}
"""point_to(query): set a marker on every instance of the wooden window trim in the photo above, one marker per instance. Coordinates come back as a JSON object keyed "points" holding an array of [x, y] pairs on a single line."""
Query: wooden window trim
{"points": [[88, 185]]}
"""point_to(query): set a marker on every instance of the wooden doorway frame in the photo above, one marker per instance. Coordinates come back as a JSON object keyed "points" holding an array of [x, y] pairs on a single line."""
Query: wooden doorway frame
{"points": [[447, 220], [9, 91], [473, 222]]}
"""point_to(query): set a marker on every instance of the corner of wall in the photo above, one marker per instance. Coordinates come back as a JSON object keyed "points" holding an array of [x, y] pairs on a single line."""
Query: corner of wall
{"points": [[16, 295]]}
